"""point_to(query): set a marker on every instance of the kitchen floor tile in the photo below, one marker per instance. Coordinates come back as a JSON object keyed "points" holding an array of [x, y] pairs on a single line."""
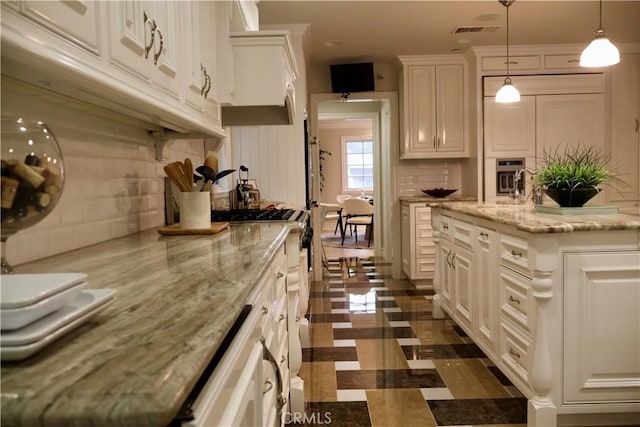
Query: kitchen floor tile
{"points": [[378, 358]]}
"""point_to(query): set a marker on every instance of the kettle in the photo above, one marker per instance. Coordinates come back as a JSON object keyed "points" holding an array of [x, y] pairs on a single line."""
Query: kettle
{"points": [[244, 196]]}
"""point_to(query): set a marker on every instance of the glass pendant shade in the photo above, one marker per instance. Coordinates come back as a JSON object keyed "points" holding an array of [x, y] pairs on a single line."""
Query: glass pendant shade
{"points": [[600, 52], [508, 92]]}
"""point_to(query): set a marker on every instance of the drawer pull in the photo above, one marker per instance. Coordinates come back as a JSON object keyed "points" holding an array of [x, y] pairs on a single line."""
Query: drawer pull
{"points": [[264, 310], [514, 300], [514, 353], [445, 226], [516, 254], [297, 318], [280, 275], [484, 235], [283, 359], [281, 318], [268, 385]]}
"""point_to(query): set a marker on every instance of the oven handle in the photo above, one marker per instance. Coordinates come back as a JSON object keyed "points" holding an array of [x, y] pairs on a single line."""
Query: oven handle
{"points": [[266, 355]]}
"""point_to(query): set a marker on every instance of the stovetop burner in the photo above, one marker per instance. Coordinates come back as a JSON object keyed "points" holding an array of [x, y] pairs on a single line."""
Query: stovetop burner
{"points": [[237, 215]]}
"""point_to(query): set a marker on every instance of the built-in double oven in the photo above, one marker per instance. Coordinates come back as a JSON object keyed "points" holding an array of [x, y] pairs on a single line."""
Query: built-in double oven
{"points": [[506, 172]]}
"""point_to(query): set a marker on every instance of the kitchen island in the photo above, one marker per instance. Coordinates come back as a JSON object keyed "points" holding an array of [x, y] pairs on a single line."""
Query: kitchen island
{"points": [[553, 301], [136, 362]]}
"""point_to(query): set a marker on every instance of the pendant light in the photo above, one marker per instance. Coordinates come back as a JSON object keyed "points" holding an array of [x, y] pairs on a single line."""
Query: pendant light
{"points": [[508, 92], [600, 52]]}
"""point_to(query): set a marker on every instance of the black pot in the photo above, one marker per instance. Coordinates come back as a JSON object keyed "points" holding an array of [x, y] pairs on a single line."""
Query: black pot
{"points": [[572, 198]]}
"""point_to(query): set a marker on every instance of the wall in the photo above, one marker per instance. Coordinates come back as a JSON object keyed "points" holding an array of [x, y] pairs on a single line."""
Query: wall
{"points": [[416, 175], [113, 184]]}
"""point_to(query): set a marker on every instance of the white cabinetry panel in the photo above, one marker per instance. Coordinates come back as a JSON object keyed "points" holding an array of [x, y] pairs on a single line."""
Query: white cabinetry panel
{"points": [[56, 15], [510, 129], [131, 37], [602, 326]]}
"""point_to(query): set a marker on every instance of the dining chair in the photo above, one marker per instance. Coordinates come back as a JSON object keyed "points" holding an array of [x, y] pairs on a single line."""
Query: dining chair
{"points": [[332, 211], [340, 198], [358, 212]]}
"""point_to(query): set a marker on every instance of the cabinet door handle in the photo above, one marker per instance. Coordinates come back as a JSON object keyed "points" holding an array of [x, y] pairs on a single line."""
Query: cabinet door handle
{"points": [[152, 23], [514, 353], [434, 141], [206, 92], [280, 275], [514, 300], [283, 359], [637, 125], [204, 78], [453, 261], [264, 310], [281, 318], [159, 51], [516, 254], [268, 385]]}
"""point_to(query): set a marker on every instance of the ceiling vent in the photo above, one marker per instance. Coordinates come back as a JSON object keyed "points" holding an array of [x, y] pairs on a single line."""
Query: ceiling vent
{"points": [[476, 29]]}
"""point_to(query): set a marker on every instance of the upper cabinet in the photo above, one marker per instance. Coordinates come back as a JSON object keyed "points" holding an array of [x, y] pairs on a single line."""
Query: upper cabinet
{"points": [[148, 60], [433, 107], [625, 128], [510, 128]]}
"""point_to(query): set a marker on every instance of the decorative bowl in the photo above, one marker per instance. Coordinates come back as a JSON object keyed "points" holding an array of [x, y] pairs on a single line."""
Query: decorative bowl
{"points": [[439, 192]]}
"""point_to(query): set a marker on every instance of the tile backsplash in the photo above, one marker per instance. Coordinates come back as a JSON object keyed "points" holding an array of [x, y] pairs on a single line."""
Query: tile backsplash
{"points": [[113, 184], [415, 175]]}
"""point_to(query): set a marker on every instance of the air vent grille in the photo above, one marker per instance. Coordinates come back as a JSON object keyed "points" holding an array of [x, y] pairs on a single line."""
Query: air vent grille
{"points": [[475, 29]]}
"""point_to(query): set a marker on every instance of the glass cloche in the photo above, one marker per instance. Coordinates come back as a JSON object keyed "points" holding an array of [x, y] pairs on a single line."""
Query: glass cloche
{"points": [[32, 176]]}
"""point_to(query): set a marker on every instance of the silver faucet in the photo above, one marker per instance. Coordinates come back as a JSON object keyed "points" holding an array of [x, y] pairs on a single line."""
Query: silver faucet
{"points": [[516, 195]]}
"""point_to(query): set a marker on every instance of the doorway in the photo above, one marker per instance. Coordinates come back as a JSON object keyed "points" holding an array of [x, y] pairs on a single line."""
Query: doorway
{"points": [[381, 108]]}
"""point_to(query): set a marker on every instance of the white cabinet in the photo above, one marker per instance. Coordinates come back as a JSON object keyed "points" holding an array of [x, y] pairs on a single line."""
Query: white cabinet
{"points": [[201, 93], [602, 327], [556, 312], [131, 57], [56, 16], [250, 384], [625, 128], [510, 128], [433, 107], [144, 41], [486, 257], [418, 249]]}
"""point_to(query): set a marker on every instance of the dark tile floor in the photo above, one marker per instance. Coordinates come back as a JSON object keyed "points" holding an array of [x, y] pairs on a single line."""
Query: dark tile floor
{"points": [[378, 358]]}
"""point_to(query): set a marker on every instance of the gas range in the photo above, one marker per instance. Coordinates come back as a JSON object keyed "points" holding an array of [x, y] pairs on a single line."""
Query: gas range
{"points": [[254, 215]]}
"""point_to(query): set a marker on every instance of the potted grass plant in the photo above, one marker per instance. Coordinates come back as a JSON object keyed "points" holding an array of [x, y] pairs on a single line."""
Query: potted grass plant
{"points": [[571, 177]]}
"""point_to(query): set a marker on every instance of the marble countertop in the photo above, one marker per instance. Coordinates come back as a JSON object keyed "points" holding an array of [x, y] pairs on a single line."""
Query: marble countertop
{"points": [[525, 218], [135, 362]]}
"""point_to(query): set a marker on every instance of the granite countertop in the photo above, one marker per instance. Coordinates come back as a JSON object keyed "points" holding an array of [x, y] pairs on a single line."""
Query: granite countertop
{"points": [[428, 199], [135, 362], [525, 218]]}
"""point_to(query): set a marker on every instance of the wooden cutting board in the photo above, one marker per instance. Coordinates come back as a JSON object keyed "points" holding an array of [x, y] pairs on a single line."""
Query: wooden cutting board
{"points": [[175, 230]]}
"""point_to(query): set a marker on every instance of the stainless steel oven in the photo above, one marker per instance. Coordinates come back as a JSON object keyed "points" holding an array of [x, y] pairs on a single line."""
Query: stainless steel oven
{"points": [[505, 175]]}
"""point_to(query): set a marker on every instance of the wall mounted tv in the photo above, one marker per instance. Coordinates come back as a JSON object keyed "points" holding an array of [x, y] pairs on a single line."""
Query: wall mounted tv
{"points": [[347, 78]]}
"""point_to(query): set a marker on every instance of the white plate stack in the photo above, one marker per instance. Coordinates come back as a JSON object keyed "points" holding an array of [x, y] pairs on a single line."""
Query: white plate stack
{"points": [[37, 309]]}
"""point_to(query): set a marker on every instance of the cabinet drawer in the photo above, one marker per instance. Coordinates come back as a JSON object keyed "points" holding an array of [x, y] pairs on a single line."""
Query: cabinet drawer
{"points": [[425, 249], [514, 352], [514, 253], [425, 266], [515, 300], [462, 232], [423, 215], [423, 233], [445, 225], [499, 63], [552, 62]]}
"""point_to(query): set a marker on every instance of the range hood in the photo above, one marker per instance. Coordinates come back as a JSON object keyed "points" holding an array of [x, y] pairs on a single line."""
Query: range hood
{"points": [[264, 73]]}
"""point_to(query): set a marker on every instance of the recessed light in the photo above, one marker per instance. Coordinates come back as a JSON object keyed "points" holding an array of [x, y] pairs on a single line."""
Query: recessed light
{"points": [[332, 43]]}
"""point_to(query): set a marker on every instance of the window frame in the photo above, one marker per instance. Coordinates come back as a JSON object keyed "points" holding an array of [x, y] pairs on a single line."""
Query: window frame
{"points": [[343, 160]]}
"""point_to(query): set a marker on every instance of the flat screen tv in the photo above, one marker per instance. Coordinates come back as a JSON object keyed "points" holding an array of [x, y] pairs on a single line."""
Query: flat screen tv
{"points": [[347, 78]]}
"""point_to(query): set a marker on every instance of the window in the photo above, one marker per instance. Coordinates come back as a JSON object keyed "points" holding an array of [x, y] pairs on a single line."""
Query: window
{"points": [[357, 160]]}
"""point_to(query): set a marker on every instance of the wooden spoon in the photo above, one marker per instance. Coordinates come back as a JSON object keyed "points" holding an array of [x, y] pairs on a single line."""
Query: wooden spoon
{"points": [[188, 167], [176, 171]]}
